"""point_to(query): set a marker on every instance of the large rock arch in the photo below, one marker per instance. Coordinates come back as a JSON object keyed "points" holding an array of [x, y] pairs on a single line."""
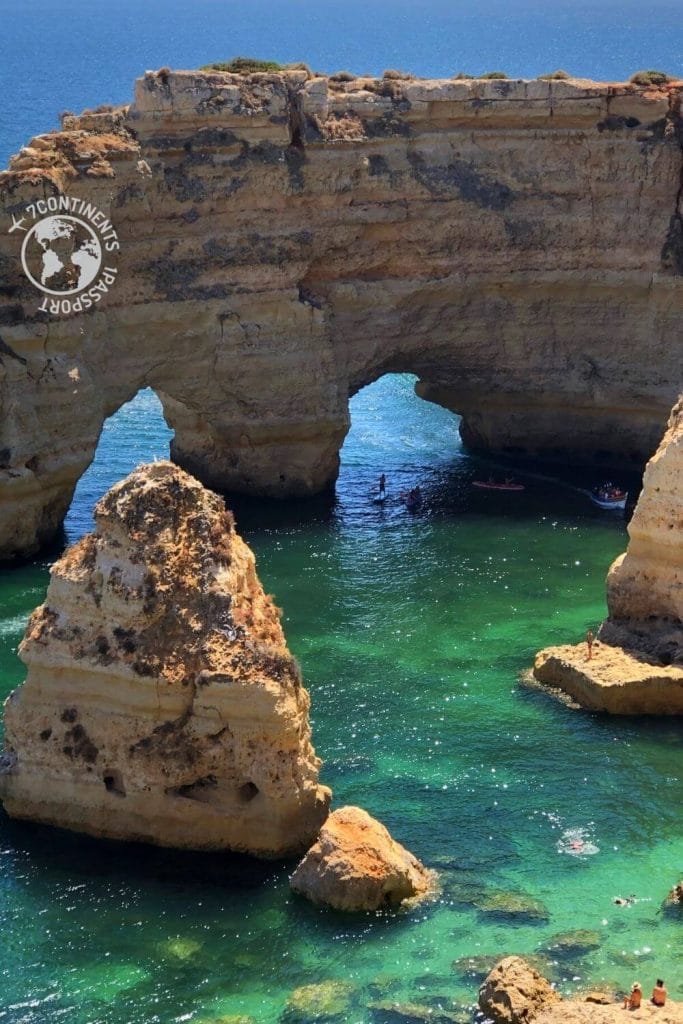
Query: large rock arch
{"points": [[286, 239]]}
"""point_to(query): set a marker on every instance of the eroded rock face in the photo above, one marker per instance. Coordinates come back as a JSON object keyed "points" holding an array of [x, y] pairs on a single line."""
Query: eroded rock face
{"points": [[161, 703], [515, 993], [287, 239], [356, 865], [637, 665]]}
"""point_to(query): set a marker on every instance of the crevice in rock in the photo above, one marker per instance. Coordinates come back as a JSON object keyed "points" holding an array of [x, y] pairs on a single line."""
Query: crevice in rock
{"points": [[113, 783], [672, 250], [295, 117]]}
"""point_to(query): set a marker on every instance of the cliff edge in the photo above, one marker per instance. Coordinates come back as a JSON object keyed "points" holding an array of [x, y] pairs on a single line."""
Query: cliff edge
{"points": [[286, 238], [636, 665], [161, 703]]}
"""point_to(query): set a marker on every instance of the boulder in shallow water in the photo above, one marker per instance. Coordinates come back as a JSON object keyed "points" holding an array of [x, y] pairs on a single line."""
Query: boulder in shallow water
{"points": [[514, 993], [574, 943], [161, 703], [356, 865], [513, 906], [325, 1001]]}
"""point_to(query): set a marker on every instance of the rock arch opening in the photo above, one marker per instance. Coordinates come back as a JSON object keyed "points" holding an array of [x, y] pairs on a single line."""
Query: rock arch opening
{"points": [[136, 432]]}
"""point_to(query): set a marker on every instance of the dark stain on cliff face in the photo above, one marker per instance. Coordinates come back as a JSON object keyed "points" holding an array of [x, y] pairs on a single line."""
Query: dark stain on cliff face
{"points": [[295, 158], [460, 178], [672, 250], [385, 126]]}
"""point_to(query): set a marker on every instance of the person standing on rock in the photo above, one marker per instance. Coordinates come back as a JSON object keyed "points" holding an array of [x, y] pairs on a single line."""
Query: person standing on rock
{"points": [[589, 644], [382, 486]]}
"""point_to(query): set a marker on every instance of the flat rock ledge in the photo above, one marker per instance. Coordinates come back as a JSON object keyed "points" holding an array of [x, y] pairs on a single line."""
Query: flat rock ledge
{"points": [[161, 703], [356, 865], [636, 666], [615, 680], [514, 993]]}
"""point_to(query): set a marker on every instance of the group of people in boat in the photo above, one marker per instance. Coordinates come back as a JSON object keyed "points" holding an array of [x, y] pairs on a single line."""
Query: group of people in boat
{"points": [[609, 492]]}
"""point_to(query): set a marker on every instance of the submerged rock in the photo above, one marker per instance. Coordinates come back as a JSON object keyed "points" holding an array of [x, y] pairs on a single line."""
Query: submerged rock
{"points": [[514, 992], [387, 1012], [675, 897], [356, 865], [574, 943], [636, 666], [161, 702], [325, 1001], [513, 906]]}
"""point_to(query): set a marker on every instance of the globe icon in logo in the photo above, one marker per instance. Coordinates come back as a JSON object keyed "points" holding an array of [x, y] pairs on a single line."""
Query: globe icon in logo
{"points": [[61, 254]]}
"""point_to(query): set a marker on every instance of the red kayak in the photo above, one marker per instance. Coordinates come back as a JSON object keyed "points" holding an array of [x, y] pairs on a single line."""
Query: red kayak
{"points": [[497, 487]]}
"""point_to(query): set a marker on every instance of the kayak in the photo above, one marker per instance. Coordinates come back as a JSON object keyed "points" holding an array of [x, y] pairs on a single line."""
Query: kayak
{"points": [[485, 485]]}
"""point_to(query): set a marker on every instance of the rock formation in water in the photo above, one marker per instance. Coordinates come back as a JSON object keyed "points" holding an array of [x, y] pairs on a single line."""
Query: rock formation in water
{"points": [[637, 663], [514, 993], [161, 703], [287, 238], [356, 865]]}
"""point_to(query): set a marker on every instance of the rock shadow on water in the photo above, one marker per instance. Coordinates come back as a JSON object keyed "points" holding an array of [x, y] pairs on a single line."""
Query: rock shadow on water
{"points": [[52, 851]]}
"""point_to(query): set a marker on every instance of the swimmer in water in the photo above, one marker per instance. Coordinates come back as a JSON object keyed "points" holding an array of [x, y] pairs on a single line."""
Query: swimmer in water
{"points": [[621, 902]]}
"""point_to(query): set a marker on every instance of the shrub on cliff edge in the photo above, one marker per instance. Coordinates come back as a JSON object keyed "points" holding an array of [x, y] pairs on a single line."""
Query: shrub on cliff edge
{"points": [[650, 78], [493, 74], [243, 66], [559, 74]]}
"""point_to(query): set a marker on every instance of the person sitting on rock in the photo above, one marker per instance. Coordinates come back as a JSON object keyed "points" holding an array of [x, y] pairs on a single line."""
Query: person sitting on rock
{"points": [[632, 1002], [659, 993]]}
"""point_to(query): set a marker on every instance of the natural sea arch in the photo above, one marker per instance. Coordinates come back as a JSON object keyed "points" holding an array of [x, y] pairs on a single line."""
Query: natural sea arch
{"points": [[286, 240]]}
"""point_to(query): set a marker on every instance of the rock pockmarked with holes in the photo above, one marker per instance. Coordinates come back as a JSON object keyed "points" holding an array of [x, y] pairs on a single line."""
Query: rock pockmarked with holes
{"points": [[285, 239], [636, 666], [355, 865], [161, 703], [514, 993]]}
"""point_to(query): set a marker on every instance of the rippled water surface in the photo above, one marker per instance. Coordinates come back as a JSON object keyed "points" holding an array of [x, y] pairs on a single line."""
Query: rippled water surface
{"points": [[411, 630]]}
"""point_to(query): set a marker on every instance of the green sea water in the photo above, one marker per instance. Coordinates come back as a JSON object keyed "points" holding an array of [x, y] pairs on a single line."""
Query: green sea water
{"points": [[412, 629]]}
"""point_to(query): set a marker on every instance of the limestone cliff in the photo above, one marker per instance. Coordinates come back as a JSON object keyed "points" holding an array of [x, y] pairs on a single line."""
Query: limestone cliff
{"points": [[515, 993], [161, 702], [286, 239], [637, 663]]}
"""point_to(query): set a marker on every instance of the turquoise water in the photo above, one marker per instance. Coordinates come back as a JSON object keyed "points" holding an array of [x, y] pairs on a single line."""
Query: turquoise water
{"points": [[411, 630]]}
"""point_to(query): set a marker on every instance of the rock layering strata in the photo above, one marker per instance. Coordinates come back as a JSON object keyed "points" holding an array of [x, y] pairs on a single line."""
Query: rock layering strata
{"points": [[356, 865], [287, 238], [637, 664], [514, 993], [161, 703]]}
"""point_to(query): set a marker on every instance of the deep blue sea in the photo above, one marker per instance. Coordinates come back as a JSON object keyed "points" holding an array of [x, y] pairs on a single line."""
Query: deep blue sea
{"points": [[68, 55], [412, 629]]}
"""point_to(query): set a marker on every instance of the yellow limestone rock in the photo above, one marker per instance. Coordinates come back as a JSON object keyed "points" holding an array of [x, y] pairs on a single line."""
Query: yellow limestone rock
{"points": [[161, 703], [514, 992], [356, 865], [637, 663], [286, 239]]}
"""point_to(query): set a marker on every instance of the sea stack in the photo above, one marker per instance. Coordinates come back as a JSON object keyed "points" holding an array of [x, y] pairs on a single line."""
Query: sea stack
{"points": [[637, 664], [161, 703]]}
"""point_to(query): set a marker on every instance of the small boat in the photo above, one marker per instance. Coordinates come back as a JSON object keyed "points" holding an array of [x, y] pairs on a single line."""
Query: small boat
{"points": [[492, 485], [608, 496], [412, 499]]}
